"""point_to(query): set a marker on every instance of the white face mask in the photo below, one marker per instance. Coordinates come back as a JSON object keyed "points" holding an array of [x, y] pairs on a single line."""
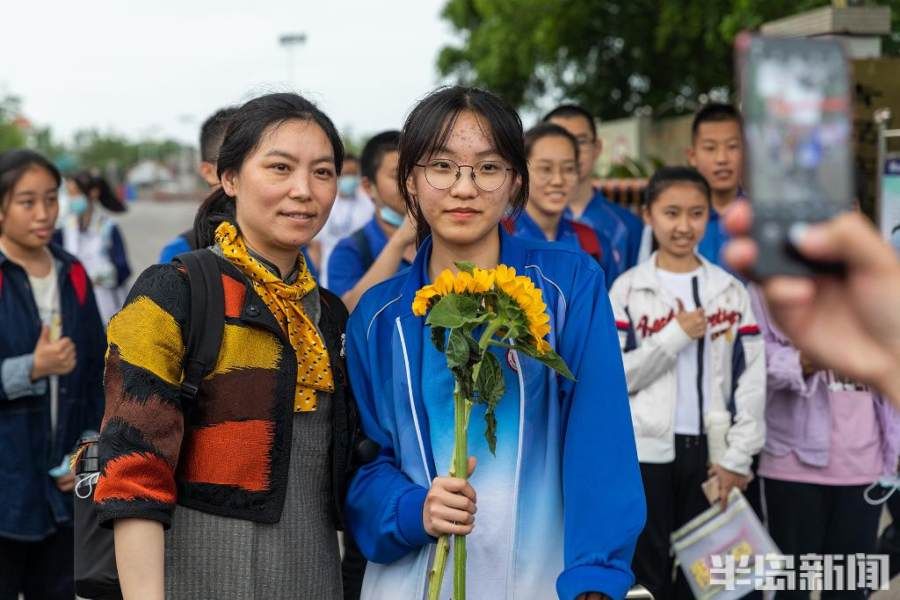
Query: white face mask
{"points": [[889, 482]]}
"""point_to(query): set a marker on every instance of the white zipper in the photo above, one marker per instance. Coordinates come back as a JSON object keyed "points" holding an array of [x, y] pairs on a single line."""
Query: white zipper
{"points": [[412, 404], [423, 578], [515, 511]]}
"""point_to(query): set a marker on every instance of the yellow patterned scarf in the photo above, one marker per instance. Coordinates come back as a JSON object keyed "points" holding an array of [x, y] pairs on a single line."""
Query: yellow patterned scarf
{"points": [[283, 300]]}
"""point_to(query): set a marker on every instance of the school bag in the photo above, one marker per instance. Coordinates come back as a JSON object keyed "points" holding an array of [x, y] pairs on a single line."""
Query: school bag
{"points": [[365, 250], [96, 576]]}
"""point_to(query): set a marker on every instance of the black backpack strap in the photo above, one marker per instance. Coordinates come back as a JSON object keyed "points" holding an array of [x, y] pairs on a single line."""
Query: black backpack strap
{"points": [[365, 251], [207, 319], [191, 237]]}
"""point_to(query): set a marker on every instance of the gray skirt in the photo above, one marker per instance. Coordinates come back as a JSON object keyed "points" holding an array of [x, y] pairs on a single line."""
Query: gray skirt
{"points": [[212, 557]]}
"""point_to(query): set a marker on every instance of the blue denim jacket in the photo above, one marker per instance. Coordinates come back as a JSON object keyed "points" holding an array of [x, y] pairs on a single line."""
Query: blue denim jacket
{"points": [[31, 506]]}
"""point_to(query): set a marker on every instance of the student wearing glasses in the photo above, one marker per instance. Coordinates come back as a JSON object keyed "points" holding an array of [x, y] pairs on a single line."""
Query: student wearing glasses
{"points": [[553, 173], [560, 505]]}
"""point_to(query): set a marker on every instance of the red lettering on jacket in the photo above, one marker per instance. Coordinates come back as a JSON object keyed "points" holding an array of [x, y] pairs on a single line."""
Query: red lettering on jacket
{"points": [[723, 316], [646, 329]]}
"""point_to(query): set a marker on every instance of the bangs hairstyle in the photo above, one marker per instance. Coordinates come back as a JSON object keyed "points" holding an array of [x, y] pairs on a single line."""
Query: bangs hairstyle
{"points": [[13, 166], [716, 112], [245, 130], [88, 183], [547, 130], [429, 125], [666, 177], [375, 149]]}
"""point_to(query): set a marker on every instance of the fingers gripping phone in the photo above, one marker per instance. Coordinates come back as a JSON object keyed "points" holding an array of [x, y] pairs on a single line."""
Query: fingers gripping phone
{"points": [[795, 97]]}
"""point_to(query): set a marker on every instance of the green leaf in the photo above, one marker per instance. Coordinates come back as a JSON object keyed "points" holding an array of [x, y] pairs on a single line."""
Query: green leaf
{"points": [[464, 265], [490, 385], [463, 377], [452, 311], [458, 350], [438, 337], [555, 362], [490, 430]]}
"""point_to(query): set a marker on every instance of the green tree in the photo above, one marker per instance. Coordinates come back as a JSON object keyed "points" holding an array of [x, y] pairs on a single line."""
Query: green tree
{"points": [[613, 56], [102, 150], [10, 134], [42, 141]]}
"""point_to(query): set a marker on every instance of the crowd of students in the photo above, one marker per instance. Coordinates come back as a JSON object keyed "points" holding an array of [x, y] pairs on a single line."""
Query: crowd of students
{"points": [[681, 372]]}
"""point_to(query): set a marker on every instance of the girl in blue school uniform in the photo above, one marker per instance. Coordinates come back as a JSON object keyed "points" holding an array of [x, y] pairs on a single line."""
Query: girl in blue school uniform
{"points": [[552, 154], [560, 505]]}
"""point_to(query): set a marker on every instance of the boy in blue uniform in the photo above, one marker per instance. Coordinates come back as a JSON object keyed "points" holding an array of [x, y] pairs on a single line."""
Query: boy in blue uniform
{"points": [[717, 151], [212, 132], [386, 243], [617, 224]]}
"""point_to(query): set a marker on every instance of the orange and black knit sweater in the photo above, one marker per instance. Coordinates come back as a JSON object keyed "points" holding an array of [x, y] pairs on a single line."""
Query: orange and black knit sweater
{"points": [[228, 453]]}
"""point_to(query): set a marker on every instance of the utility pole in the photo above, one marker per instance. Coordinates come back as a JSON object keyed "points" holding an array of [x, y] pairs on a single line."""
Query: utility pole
{"points": [[290, 42]]}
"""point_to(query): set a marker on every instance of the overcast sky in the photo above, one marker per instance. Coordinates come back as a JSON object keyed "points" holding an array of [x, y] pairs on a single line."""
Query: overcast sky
{"points": [[157, 69]]}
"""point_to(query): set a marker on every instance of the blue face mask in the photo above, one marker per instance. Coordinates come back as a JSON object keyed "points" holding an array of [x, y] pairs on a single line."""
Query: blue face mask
{"points": [[390, 216], [78, 204], [347, 186]]}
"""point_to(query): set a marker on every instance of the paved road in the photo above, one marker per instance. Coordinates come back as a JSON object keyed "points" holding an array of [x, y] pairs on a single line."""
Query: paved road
{"points": [[149, 225]]}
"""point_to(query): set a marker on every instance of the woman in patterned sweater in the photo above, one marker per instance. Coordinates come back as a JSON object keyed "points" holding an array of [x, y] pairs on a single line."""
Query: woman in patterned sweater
{"points": [[258, 461]]}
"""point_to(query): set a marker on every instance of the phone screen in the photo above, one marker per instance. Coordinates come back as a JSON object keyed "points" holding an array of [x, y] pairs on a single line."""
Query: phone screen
{"points": [[796, 107]]}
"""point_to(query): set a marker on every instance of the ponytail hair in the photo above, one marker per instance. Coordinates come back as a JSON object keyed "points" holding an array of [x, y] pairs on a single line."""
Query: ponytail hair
{"points": [[87, 183], [217, 207], [247, 126]]}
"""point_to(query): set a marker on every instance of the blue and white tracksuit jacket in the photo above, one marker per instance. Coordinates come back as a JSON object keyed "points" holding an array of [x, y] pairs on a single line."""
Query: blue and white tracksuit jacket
{"points": [[561, 504]]}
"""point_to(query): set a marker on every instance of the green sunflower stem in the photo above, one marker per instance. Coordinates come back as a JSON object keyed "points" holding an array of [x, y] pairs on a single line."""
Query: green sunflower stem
{"points": [[462, 406], [462, 409], [458, 468]]}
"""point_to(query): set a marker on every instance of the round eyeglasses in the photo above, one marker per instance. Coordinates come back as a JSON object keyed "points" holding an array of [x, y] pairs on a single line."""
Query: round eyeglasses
{"points": [[487, 175], [544, 172]]}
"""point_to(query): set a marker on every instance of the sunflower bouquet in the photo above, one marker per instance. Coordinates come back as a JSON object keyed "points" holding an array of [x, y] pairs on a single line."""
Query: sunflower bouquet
{"points": [[469, 312]]}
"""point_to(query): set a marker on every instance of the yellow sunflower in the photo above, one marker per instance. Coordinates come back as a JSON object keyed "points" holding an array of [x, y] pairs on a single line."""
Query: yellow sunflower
{"points": [[423, 299], [482, 280], [525, 294], [444, 283]]}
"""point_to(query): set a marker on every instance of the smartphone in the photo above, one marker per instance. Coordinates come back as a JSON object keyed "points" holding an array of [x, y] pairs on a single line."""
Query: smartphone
{"points": [[798, 161]]}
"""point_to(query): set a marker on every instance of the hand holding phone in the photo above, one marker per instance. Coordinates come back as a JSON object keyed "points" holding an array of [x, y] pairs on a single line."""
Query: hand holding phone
{"points": [[857, 310], [795, 97]]}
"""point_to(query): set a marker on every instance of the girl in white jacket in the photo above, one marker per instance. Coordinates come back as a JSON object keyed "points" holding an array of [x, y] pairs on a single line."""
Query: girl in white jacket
{"points": [[695, 367]]}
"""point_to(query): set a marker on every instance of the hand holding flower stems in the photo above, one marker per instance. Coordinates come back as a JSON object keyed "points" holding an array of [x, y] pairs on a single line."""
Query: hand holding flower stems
{"points": [[509, 312]]}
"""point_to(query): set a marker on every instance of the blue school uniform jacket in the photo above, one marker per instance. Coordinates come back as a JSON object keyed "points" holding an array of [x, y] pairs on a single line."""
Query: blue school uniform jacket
{"points": [[567, 234], [31, 506], [619, 226], [349, 261], [576, 505]]}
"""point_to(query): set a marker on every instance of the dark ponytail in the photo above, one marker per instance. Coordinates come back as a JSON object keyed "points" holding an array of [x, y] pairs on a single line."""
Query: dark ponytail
{"points": [[87, 183], [217, 207], [247, 126]]}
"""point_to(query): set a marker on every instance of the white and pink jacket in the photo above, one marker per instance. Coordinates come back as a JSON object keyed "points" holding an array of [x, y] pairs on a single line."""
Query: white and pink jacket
{"points": [[734, 396]]}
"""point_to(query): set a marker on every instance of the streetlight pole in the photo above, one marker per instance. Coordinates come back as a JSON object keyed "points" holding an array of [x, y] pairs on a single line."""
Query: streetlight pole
{"points": [[290, 42]]}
